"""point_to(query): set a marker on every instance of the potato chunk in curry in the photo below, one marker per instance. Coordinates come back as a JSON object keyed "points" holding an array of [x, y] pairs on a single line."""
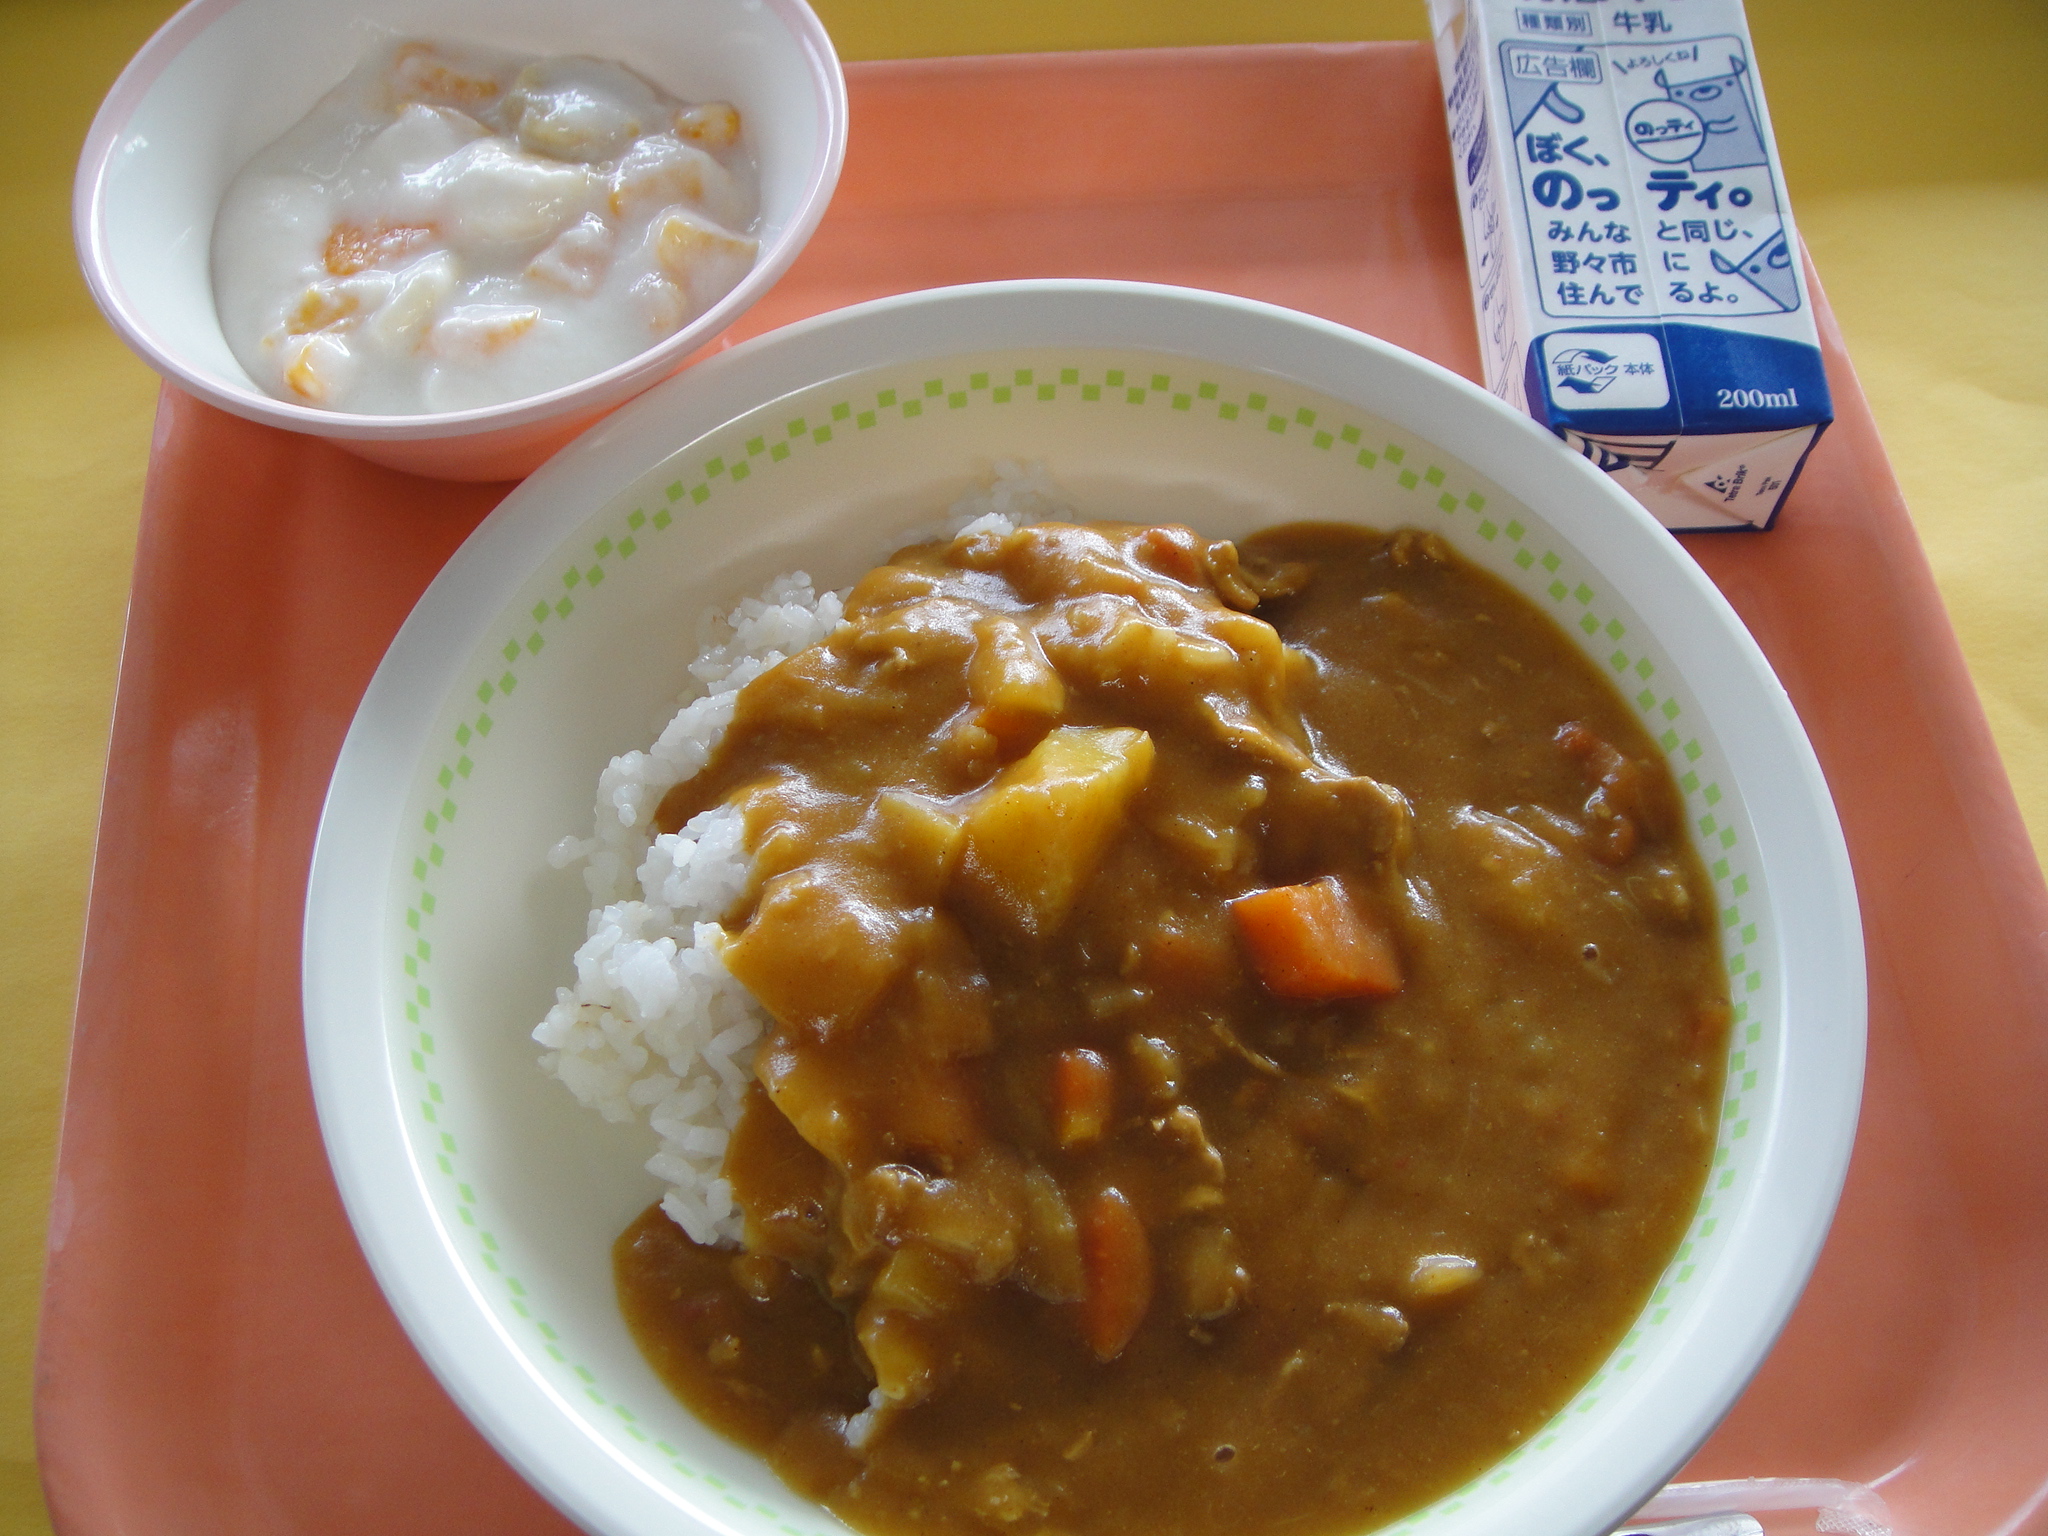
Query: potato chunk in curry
{"points": [[1039, 830], [1244, 1040]]}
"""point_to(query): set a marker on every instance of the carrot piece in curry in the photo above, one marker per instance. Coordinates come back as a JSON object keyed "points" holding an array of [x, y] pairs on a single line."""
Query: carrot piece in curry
{"points": [[1116, 1258], [1083, 1097], [1310, 943]]}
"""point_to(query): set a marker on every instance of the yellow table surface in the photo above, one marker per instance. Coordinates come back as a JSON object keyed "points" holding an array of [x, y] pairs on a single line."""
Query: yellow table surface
{"points": [[1916, 147]]}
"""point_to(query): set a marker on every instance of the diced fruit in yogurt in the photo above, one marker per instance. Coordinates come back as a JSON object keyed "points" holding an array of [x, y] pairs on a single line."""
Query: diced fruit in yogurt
{"points": [[352, 248], [497, 195], [580, 109], [659, 172], [321, 307], [338, 302], [422, 136], [477, 330], [316, 366], [713, 124], [577, 259], [462, 226], [706, 260], [661, 304], [422, 72], [419, 291]]}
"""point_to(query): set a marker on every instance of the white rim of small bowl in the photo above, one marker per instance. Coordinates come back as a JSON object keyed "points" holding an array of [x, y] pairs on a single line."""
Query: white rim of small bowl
{"points": [[1778, 1235], [596, 391]]}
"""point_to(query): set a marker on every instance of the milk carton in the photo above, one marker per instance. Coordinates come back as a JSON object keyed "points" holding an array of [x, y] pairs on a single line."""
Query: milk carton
{"points": [[1634, 265]]}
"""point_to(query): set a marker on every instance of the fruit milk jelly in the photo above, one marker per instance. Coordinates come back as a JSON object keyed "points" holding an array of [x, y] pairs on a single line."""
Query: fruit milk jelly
{"points": [[1634, 264]]}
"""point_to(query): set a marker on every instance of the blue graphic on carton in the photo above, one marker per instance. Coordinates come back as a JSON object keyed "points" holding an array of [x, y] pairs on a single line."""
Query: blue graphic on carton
{"points": [[1769, 267], [1675, 379], [1534, 75], [1733, 139], [1580, 121], [1583, 370], [1664, 130], [1605, 370]]}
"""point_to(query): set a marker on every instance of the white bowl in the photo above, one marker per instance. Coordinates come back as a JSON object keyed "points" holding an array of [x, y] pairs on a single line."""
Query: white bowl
{"points": [[487, 1200], [224, 78]]}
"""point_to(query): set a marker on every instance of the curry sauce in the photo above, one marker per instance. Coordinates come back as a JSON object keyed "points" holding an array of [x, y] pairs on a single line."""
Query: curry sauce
{"points": [[1245, 1036]]}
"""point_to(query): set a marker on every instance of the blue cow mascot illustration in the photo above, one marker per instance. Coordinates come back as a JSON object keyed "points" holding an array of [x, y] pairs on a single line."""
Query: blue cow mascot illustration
{"points": [[1734, 138], [1769, 267]]}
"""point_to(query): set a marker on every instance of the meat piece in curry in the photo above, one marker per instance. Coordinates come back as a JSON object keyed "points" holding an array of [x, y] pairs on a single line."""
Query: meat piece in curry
{"points": [[1245, 1035]]}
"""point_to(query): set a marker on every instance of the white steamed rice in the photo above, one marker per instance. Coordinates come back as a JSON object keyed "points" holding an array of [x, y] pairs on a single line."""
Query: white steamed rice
{"points": [[655, 1029]]}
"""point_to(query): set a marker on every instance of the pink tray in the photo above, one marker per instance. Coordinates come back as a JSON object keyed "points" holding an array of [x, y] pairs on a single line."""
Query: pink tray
{"points": [[215, 1358]]}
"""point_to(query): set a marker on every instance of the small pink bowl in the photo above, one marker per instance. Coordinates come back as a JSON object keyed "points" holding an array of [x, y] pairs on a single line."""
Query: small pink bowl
{"points": [[223, 78]]}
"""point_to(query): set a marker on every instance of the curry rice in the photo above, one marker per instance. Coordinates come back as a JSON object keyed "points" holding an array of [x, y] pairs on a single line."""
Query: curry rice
{"points": [[1245, 1028]]}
